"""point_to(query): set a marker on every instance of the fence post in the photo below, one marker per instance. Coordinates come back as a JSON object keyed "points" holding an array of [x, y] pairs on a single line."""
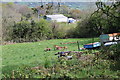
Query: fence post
{"points": [[78, 46]]}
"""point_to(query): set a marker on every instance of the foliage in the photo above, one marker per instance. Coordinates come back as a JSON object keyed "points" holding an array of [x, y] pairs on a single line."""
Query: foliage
{"points": [[12, 14], [85, 29], [111, 52], [61, 30], [107, 17], [103, 21], [64, 9], [34, 31], [75, 13], [115, 50]]}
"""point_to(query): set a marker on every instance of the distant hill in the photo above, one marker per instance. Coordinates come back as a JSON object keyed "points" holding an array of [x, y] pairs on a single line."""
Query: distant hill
{"points": [[75, 5]]}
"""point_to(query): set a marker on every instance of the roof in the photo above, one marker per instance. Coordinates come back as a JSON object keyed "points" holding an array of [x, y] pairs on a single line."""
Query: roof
{"points": [[114, 34], [56, 16]]}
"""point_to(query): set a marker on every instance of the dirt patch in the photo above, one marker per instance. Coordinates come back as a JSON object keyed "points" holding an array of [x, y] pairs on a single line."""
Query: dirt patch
{"points": [[86, 58]]}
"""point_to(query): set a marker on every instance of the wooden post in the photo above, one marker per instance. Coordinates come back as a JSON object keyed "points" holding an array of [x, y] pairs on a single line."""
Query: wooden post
{"points": [[13, 75], [54, 47], [92, 41], [78, 46]]}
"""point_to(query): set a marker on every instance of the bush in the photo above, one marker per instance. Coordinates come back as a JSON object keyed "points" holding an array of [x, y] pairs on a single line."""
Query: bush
{"points": [[114, 52], [25, 31], [84, 29], [111, 52], [58, 30]]}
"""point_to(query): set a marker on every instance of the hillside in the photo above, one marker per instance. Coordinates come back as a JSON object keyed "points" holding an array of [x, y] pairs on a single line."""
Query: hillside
{"points": [[86, 8], [74, 5]]}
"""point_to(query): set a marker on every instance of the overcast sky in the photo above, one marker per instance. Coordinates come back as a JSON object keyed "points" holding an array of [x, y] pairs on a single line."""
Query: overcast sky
{"points": [[54, 0]]}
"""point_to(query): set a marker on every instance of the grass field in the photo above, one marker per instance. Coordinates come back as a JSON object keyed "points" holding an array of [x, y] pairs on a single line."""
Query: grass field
{"points": [[29, 53], [33, 54]]}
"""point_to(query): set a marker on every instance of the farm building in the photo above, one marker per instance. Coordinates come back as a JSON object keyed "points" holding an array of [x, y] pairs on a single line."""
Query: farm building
{"points": [[71, 20], [57, 18], [110, 37], [115, 36]]}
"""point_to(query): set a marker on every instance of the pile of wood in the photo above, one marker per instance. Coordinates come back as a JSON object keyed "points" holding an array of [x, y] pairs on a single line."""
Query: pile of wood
{"points": [[59, 47], [64, 54], [8, 43], [47, 49], [56, 48], [67, 54]]}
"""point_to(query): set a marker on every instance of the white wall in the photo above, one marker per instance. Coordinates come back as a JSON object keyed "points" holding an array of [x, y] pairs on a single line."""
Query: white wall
{"points": [[59, 19], [62, 20], [115, 38]]}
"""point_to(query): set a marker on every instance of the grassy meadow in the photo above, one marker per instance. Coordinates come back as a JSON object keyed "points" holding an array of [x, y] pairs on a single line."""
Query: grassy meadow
{"points": [[26, 35], [25, 53], [15, 57]]}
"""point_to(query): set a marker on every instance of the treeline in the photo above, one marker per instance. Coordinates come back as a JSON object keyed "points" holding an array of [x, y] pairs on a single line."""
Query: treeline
{"points": [[105, 20], [31, 31], [12, 14], [48, 9], [20, 23]]}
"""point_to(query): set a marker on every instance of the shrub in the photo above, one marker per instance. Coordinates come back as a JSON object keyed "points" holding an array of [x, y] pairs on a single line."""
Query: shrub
{"points": [[31, 31], [114, 52]]}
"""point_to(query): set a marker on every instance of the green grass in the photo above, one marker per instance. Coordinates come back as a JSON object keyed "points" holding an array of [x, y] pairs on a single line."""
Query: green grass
{"points": [[33, 54], [18, 56]]}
